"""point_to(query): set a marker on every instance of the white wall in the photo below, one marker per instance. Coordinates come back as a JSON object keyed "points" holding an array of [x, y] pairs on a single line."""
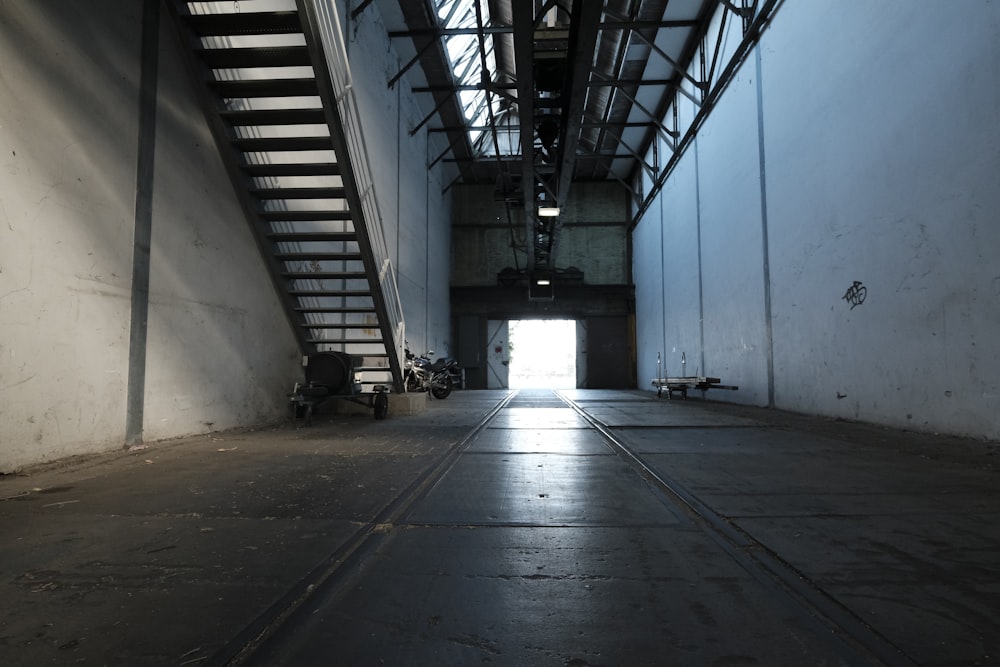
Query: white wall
{"points": [[880, 135], [414, 208], [66, 183], [219, 351]]}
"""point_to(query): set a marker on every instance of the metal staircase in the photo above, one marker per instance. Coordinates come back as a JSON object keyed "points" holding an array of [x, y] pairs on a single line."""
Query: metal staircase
{"points": [[276, 89]]}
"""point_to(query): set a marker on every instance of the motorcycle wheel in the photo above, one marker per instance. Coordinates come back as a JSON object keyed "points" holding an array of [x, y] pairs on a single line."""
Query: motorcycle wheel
{"points": [[381, 404], [442, 389]]}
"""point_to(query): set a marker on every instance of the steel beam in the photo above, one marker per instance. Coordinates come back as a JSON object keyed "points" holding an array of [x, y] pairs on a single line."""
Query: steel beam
{"points": [[750, 39], [701, 85], [524, 34], [508, 30], [584, 24]]}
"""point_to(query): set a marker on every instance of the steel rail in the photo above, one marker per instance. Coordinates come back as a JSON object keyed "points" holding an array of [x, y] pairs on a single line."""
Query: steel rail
{"points": [[347, 560], [857, 640]]}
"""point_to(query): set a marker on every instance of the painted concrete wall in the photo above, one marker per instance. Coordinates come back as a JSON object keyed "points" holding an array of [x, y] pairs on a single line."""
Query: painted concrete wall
{"points": [[66, 184], [859, 195], [219, 351], [415, 210]]}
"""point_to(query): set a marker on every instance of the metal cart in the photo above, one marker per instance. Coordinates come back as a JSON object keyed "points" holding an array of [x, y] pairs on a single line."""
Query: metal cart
{"points": [[683, 383]]}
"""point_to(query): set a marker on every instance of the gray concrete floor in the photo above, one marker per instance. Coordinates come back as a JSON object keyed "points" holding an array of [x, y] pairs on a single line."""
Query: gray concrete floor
{"points": [[749, 537]]}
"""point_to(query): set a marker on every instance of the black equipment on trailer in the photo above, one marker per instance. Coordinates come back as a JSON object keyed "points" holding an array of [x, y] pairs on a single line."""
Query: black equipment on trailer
{"points": [[332, 375]]}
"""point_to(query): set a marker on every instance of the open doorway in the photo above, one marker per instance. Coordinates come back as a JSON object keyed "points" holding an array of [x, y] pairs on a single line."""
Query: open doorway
{"points": [[542, 354]]}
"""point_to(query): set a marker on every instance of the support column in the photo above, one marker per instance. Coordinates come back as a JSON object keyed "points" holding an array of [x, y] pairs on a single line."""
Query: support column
{"points": [[142, 236]]}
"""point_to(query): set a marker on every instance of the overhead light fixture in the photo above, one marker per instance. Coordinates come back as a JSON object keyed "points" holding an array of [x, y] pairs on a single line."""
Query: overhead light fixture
{"points": [[540, 287], [548, 207]]}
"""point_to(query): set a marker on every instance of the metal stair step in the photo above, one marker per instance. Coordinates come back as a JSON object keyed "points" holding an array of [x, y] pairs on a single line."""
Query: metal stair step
{"points": [[292, 87], [294, 237], [325, 275], [245, 23], [318, 256], [345, 310], [339, 325], [368, 355], [349, 341], [334, 293], [298, 193], [245, 117], [302, 216], [293, 169], [280, 144], [249, 57]]}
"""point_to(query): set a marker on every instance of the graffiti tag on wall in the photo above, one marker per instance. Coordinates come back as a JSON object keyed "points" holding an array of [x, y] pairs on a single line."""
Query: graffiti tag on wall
{"points": [[855, 294]]}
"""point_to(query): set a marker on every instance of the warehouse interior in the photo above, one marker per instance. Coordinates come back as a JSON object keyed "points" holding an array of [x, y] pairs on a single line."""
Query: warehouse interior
{"points": [[217, 218], [797, 200]]}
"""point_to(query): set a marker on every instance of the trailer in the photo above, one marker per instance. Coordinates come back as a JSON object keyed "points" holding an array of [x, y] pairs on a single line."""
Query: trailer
{"points": [[683, 384], [333, 376]]}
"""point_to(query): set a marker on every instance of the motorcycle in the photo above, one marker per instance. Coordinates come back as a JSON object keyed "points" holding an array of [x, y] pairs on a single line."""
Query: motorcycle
{"points": [[421, 374]]}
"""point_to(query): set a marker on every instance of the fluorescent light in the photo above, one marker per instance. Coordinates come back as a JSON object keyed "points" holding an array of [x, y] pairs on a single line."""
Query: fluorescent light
{"points": [[548, 211], [542, 281]]}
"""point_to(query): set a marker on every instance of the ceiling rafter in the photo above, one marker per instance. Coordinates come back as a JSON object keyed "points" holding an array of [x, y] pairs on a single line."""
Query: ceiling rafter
{"points": [[534, 107]]}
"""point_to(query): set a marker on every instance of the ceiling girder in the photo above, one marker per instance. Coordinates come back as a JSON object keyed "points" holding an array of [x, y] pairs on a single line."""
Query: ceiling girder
{"points": [[668, 135], [524, 29], [360, 8], [682, 71], [413, 61], [632, 153], [761, 15], [509, 29], [624, 53], [433, 113], [583, 126], [498, 87], [585, 20]]}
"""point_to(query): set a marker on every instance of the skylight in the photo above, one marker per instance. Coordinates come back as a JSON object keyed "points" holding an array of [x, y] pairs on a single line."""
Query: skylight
{"points": [[467, 65]]}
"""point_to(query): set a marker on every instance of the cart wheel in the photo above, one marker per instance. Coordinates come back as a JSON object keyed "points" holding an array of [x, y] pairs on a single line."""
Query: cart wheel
{"points": [[381, 405]]}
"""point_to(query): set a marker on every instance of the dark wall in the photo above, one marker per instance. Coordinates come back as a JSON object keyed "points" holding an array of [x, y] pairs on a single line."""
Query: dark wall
{"points": [[610, 353]]}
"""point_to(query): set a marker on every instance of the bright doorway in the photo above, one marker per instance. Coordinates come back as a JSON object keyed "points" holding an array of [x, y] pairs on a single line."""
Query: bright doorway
{"points": [[543, 354]]}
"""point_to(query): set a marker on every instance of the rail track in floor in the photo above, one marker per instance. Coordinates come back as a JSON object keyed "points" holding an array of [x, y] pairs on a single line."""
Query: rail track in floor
{"points": [[854, 640]]}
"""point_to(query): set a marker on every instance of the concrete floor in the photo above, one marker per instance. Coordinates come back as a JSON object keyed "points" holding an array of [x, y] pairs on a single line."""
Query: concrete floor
{"points": [[717, 535]]}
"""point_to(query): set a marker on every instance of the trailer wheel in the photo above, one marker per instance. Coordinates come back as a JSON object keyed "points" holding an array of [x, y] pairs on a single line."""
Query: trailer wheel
{"points": [[381, 405]]}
